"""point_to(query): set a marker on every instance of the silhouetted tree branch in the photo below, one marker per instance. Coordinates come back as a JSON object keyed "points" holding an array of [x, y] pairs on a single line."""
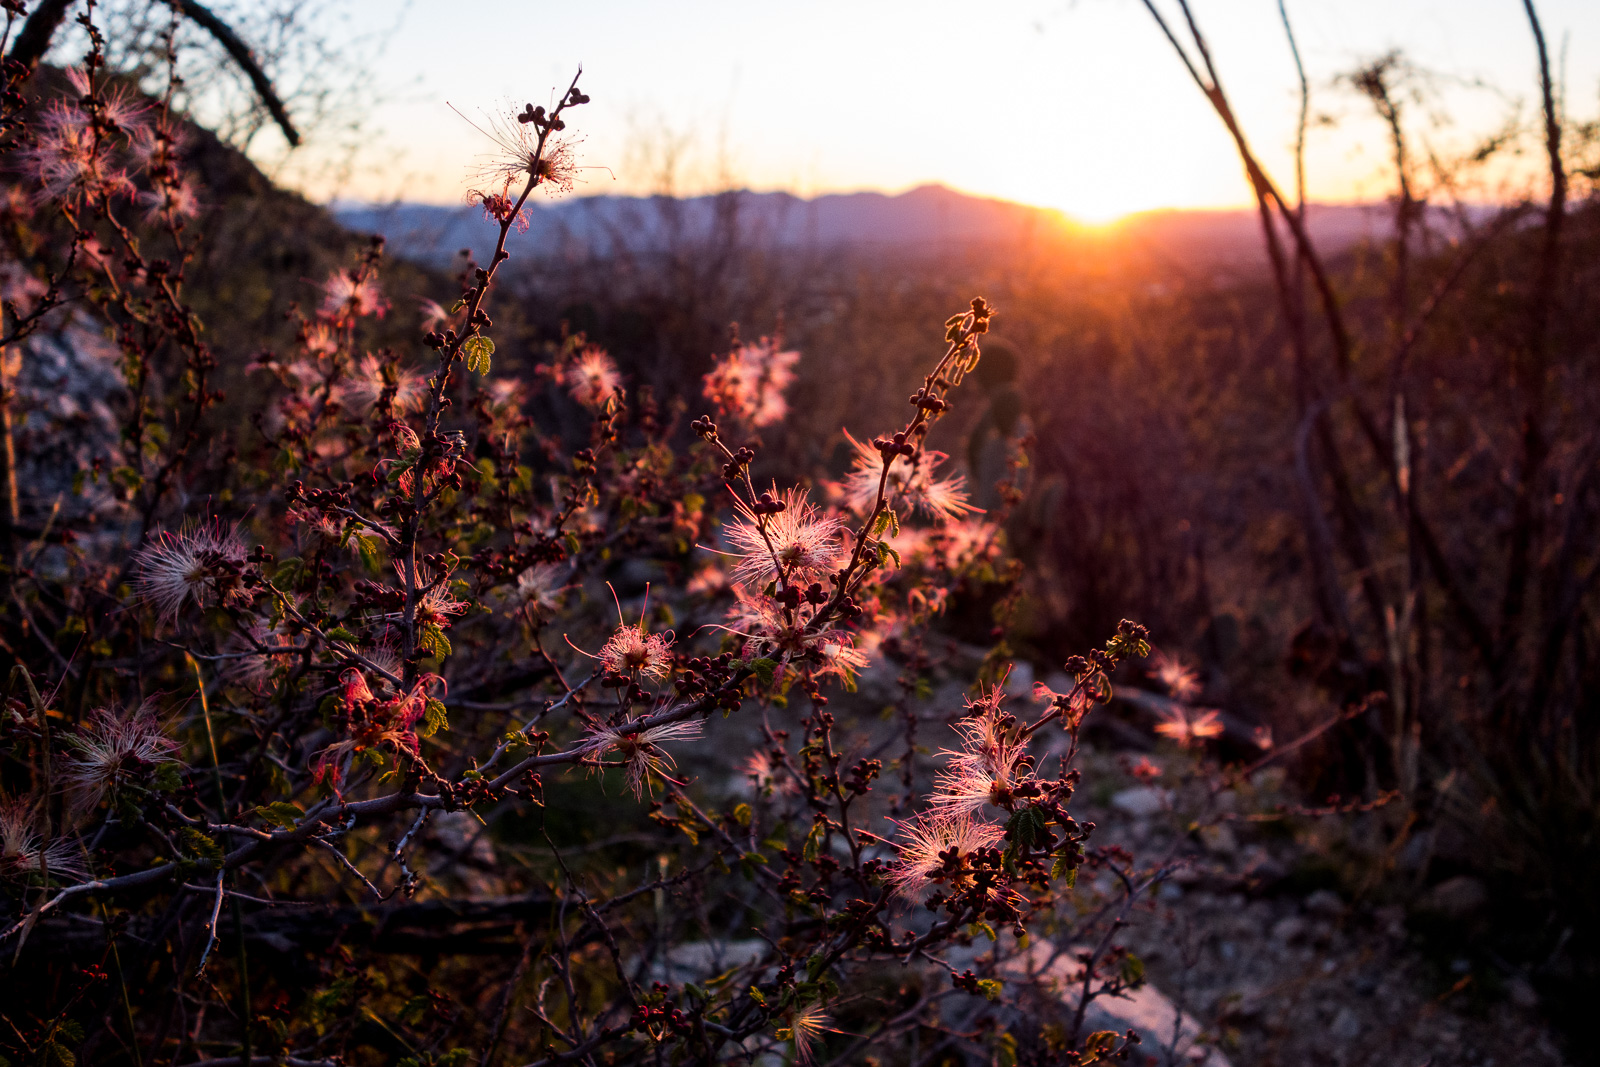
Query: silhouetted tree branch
{"points": [[41, 26]]}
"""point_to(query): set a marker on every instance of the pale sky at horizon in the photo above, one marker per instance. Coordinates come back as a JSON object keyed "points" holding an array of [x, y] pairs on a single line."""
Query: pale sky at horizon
{"points": [[1079, 105]]}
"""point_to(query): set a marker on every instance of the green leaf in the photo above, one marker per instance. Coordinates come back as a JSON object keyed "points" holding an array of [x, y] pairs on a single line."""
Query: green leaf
{"points": [[288, 571], [368, 547], [339, 633], [990, 988], [478, 349], [280, 813], [764, 668], [1024, 829], [199, 845], [414, 1009], [813, 842], [1098, 1045], [434, 641], [741, 815], [434, 719], [1132, 969]]}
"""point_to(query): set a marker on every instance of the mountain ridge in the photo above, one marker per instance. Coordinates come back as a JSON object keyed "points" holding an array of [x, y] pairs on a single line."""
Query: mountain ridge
{"points": [[928, 217]]}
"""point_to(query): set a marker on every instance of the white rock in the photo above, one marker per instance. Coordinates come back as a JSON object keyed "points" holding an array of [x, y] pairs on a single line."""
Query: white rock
{"points": [[1169, 1036], [1142, 801], [695, 961], [1346, 1025], [1019, 683], [1326, 903], [1219, 838]]}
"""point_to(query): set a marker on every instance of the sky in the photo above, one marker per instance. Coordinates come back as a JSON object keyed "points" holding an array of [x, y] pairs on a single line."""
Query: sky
{"points": [[1079, 105]]}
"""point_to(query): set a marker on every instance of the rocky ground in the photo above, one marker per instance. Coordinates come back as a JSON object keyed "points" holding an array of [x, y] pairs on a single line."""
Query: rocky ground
{"points": [[1278, 973]]}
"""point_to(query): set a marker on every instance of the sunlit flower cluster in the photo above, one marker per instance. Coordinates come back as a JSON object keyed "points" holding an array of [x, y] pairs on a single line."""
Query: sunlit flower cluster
{"points": [[73, 155], [799, 544], [1181, 681], [639, 750], [592, 378], [115, 749], [911, 483], [369, 377], [940, 847], [373, 724], [351, 292], [633, 652], [749, 382], [988, 766], [1188, 726], [24, 851], [198, 563]]}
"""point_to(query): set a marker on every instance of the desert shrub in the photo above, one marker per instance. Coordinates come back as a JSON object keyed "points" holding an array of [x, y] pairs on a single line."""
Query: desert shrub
{"points": [[394, 708]]}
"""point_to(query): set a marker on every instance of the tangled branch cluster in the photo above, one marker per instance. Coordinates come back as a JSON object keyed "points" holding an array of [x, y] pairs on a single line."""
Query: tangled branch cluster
{"points": [[351, 622]]}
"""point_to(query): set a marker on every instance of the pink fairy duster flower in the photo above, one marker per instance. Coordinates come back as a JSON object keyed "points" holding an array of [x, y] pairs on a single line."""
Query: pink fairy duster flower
{"points": [[911, 482], [592, 378], [256, 661], [353, 688], [153, 147], [197, 562], [842, 657], [375, 724], [70, 160], [937, 847], [638, 750], [709, 580], [805, 1030], [500, 207], [434, 316], [318, 339], [519, 157], [506, 395], [435, 604], [989, 765], [114, 750], [347, 292], [539, 588], [913, 545], [1181, 681], [766, 775], [1145, 770], [800, 542], [1189, 726], [22, 847], [115, 106], [370, 376], [748, 383], [177, 199], [769, 630], [633, 652], [961, 542]]}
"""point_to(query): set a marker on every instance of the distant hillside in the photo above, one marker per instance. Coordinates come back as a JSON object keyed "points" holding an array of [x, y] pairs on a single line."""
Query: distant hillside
{"points": [[929, 217]]}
